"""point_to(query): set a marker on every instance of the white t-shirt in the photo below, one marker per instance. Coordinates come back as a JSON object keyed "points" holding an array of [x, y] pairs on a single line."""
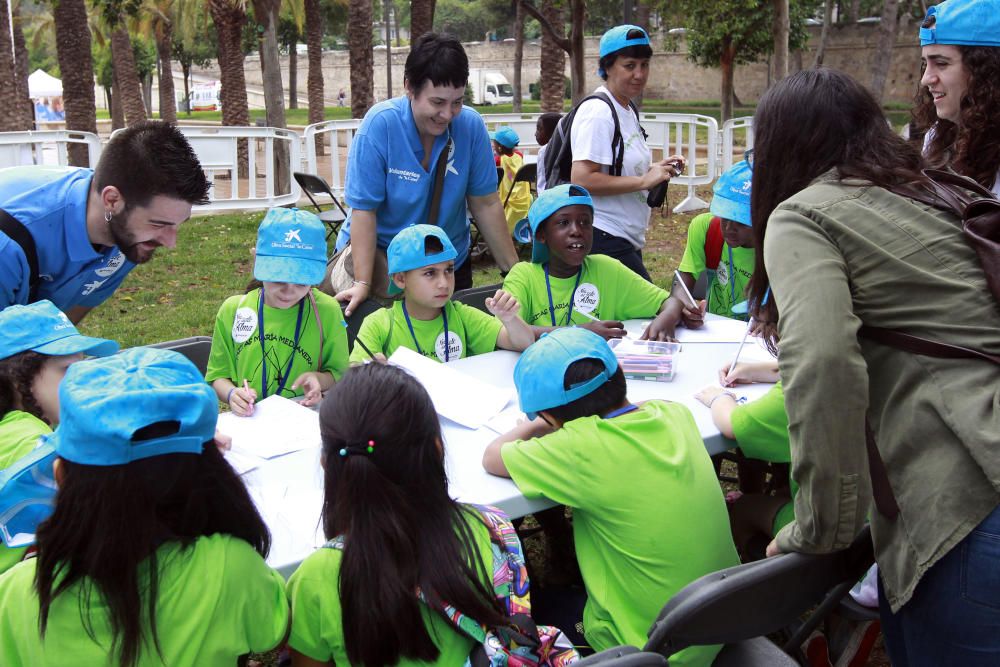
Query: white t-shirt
{"points": [[540, 170], [627, 215]]}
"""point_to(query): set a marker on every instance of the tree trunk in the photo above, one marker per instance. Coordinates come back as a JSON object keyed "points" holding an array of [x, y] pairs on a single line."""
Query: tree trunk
{"points": [[229, 18], [553, 65], [883, 50], [824, 35], [854, 13], [421, 20], [168, 105], [640, 17], [11, 118], [576, 53], [128, 88], [21, 69], [314, 83], [266, 13], [362, 60], [518, 54], [293, 75], [186, 72], [395, 22], [386, 15], [780, 33], [117, 113], [726, 64], [76, 65]]}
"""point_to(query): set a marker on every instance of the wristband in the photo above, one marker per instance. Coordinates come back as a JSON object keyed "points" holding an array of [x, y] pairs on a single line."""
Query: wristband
{"points": [[720, 395], [229, 396], [362, 282]]}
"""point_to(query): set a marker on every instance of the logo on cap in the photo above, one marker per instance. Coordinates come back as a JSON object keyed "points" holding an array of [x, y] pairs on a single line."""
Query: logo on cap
{"points": [[292, 234]]}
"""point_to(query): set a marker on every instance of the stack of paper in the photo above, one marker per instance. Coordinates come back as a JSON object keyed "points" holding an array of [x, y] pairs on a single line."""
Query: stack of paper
{"points": [[277, 426]]}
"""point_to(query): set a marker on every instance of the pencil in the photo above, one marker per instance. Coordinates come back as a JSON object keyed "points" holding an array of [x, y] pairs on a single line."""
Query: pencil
{"points": [[732, 366], [692, 304], [361, 343]]}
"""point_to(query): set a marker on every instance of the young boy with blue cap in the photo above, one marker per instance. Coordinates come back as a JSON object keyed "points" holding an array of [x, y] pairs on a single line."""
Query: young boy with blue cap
{"points": [[564, 285], [721, 243], [516, 197], [648, 512], [283, 336], [39, 343], [426, 320], [149, 516]]}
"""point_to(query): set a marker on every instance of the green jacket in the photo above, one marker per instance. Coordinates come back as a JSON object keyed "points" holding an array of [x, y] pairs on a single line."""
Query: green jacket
{"points": [[840, 254]]}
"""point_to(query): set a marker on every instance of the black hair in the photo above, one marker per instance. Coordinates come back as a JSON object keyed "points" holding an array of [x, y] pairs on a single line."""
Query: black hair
{"points": [[840, 126], [17, 375], [601, 401], [108, 522], [402, 530], [504, 150], [432, 245], [548, 121], [438, 58], [148, 159], [634, 51]]}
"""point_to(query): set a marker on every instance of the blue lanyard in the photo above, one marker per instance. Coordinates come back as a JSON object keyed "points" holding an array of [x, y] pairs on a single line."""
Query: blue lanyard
{"points": [[444, 318], [620, 411], [282, 381], [732, 278], [572, 297]]}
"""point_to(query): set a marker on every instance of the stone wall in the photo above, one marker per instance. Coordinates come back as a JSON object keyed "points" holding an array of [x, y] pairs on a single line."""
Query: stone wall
{"points": [[673, 77]]}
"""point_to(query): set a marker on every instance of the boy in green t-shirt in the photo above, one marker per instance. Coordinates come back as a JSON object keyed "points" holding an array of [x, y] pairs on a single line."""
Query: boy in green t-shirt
{"points": [[565, 285], [426, 320], [648, 513], [720, 242]]}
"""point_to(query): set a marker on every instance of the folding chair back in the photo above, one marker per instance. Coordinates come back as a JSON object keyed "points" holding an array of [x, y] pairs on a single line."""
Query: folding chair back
{"points": [[476, 296], [623, 656], [314, 185], [527, 172], [367, 307], [738, 605], [195, 348]]}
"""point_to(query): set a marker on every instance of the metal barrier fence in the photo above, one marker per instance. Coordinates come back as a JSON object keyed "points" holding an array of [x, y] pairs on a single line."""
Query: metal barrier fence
{"points": [[732, 150], [45, 147], [335, 136]]}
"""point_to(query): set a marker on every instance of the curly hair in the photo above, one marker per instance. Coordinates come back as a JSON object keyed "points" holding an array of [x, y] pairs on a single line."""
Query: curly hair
{"points": [[17, 374], [972, 146]]}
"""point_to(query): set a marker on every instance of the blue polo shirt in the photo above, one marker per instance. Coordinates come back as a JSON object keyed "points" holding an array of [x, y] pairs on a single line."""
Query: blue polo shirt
{"points": [[52, 203], [384, 173]]}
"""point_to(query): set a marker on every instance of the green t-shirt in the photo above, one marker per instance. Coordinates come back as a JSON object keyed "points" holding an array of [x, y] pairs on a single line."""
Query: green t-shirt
{"points": [[317, 626], [19, 433], [761, 429], [470, 332], [648, 514], [236, 352], [723, 294], [608, 290], [217, 600]]}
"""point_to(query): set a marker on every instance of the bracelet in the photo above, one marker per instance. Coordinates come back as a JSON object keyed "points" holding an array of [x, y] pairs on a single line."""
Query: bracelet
{"points": [[362, 282], [229, 396], [720, 395]]}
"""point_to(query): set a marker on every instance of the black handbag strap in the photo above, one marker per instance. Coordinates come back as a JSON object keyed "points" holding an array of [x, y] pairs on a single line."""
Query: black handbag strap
{"points": [[20, 235], [438, 184]]}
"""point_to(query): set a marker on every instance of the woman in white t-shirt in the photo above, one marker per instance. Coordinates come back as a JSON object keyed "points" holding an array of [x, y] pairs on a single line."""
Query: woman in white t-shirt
{"points": [[621, 214], [960, 88]]}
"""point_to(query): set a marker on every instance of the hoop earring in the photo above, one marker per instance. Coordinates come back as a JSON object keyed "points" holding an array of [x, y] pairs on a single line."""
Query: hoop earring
{"points": [[107, 216]]}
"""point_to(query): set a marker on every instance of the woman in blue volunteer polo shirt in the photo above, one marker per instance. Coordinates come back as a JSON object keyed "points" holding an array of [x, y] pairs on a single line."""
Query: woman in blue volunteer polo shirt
{"points": [[391, 166]]}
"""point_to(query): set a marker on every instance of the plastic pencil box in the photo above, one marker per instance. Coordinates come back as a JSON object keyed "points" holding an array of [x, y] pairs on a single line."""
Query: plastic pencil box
{"points": [[651, 360]]}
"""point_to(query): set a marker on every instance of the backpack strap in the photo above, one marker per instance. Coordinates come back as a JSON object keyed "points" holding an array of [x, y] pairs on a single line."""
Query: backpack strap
{"points": [[713, 243], [20, 235]]}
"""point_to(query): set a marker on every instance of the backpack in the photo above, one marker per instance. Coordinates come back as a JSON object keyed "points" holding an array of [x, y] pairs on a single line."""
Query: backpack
{"points": [[522, 643], [20, 235], [713, 243], [559, 154]]}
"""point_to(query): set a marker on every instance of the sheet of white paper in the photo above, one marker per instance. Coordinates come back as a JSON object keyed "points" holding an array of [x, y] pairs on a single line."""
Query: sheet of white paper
{"points": [[242, 463], [277, 426], [505, 421], [715, 330], [457, 396]]}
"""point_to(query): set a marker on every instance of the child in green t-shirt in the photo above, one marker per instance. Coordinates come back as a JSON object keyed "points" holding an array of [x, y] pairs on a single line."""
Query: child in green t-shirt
{"points": [[283, 336], [721, 243], [648, 512], [426, 320], [564, 285], [154, 551]]}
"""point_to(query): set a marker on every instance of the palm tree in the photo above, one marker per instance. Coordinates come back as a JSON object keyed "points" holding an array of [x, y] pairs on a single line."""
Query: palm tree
{"points": [[266, 13], [553, 63], [421, 18], [229, 16], [362, 60], [573, 46], [21, 66], [77, 68], [10, 116], [314, 44], [126, 76], [158, 20]]}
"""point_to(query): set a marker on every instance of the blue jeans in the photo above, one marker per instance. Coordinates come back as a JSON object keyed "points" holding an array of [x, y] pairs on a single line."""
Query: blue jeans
{"points": [[953, 617], [621, 249]]}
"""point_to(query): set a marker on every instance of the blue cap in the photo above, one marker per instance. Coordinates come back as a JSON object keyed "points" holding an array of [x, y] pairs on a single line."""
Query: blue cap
{"points": [[617, 39], [407, 251], [732, 194], [27, 495], [549, 201], [541, 371], [43, 328], [291, 248], [506, 136], [963, 22]]}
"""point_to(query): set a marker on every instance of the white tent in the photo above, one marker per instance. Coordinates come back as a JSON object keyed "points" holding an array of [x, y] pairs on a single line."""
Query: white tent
{"points": [[41, 84]]}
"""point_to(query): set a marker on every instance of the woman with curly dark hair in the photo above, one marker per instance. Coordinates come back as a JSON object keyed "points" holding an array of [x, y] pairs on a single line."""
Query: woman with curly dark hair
{"points": [[960, 88]]}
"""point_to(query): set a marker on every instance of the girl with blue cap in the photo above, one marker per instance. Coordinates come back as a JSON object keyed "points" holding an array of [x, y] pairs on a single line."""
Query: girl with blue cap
{"points": [[154, 552], [516, 197], [960, 88], [38, 345], [283, 336]]}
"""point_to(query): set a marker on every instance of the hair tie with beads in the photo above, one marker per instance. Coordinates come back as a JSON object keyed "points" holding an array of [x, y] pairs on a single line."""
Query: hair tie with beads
{"points": [[362, 450]]}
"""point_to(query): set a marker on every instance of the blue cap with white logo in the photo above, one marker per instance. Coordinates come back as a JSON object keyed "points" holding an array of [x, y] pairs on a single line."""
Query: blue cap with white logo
{"points": [[617, 39], [540, 372], [732, 194], [103, 406], [43, 328], [962, 22], [291, 248], [408, 251], [549, 201], [506, 136]]}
